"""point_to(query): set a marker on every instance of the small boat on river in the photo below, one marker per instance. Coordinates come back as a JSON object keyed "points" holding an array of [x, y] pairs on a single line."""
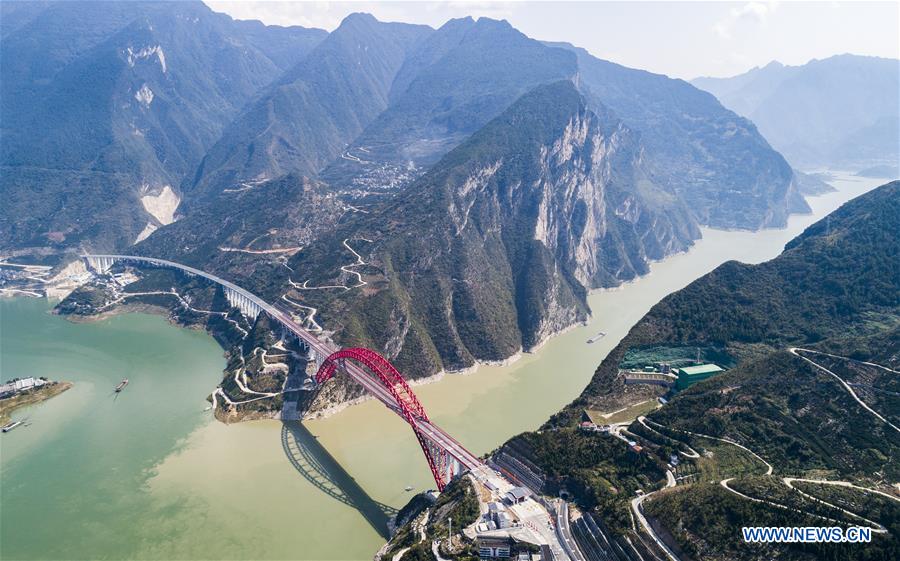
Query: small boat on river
{"points": [[121, 385], [10, 426], [597, 337]]}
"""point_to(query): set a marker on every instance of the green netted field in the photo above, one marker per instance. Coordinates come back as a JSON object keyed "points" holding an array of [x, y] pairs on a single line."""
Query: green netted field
{"points": [[639, 357]]}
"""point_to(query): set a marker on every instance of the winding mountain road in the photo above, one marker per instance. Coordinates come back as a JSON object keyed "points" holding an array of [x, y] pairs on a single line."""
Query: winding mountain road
{"points": [[794, 351]]}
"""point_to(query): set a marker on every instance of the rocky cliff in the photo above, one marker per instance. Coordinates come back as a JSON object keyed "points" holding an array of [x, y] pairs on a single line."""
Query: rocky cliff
{"points": [[496, 247]]}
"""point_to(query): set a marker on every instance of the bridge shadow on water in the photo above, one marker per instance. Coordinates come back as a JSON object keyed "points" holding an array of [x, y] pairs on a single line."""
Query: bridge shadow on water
{"points": [[319, 467]]}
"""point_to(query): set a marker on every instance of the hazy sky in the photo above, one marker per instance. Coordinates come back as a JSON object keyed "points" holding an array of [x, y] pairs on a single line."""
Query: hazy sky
{"points": [[681, 39]]}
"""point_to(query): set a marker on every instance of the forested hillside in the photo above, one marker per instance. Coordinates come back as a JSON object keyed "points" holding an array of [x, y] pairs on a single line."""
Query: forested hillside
{"points": [[801, 331]]}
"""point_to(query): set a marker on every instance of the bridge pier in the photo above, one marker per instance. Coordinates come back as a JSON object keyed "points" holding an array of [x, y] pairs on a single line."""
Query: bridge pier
{"points": [[448, 467], [446, 457], [240, 301], [100, 264], [300, 388], [317, 358]]}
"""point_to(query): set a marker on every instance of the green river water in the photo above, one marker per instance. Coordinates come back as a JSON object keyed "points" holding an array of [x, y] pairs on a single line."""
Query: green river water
{"points": [[150, 475]]}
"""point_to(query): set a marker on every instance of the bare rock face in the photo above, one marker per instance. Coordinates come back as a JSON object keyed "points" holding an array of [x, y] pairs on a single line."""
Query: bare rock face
{"points": [[160, 204], [496, 248], [590, 190], [714, 160]]}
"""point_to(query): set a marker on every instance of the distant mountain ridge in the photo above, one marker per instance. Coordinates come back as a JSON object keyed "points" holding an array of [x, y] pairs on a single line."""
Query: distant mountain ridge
{"points": [[842, 110], [696, 146], [314, 110], [198, 105], [456, 80], [107, 102]]}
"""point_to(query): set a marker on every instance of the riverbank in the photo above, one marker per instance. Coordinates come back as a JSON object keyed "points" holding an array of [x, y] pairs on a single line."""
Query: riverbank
{"points": [[614, 310], [30, 397], [127, 308], [820, 204], [152, 476], [74, 483]]}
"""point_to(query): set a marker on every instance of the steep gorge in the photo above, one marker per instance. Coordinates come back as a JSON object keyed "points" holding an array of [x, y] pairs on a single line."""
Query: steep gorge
{"points": [[495, 248]]}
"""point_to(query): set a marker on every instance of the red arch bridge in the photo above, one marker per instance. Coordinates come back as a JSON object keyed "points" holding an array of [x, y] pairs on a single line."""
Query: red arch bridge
{"points": [[446, 457]]}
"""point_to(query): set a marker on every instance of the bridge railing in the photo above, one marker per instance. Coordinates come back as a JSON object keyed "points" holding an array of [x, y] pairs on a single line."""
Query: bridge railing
{"points": [[171, 264], [449, 453]]}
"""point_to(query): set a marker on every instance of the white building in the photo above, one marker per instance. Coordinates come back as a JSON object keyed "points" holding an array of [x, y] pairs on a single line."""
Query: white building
{"points": [[504, 520], [517, 495], [17, 386]]}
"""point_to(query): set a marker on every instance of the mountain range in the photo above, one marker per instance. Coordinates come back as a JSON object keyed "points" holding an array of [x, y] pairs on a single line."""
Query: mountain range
{"points": [[320, 167], [839, 111], [105, 103], [494, 248]]}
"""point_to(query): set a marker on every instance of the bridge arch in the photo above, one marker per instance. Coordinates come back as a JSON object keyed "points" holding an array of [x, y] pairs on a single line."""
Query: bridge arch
{"points": [[446, 457], [405, 401]]}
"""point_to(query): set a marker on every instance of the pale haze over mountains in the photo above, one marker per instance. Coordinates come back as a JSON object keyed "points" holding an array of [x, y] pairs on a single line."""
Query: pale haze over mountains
{"points": [[680, 39], [844, 110]]}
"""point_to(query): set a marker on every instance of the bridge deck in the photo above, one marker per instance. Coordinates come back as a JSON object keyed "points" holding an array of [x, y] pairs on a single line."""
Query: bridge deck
{"points": [[322, 349]]}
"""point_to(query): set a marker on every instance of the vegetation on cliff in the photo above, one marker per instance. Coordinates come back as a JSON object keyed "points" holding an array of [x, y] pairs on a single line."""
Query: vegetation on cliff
{"points": [[835, 289]]}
